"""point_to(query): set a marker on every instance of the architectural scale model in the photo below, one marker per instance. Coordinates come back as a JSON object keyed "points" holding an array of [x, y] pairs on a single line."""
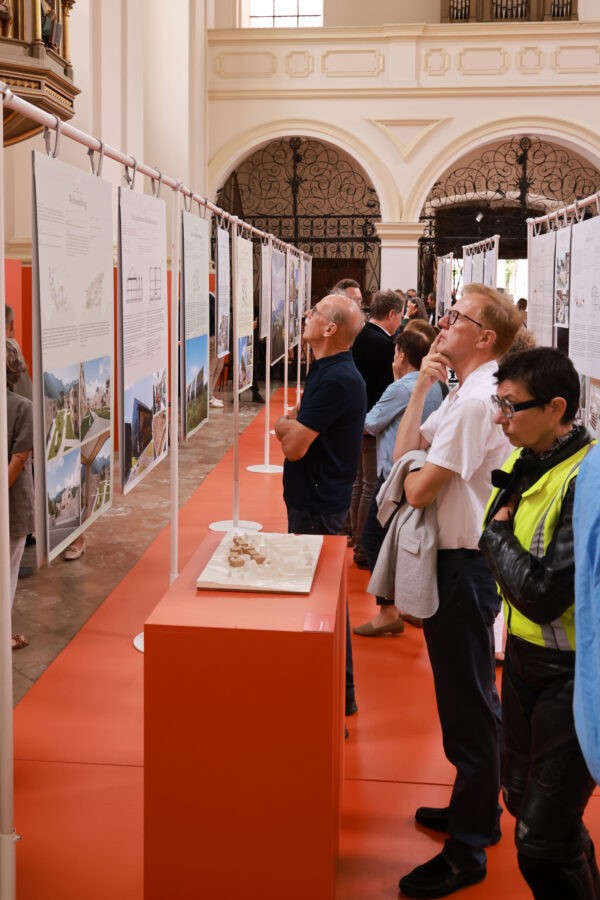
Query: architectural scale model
{"points": [[263, 562]]}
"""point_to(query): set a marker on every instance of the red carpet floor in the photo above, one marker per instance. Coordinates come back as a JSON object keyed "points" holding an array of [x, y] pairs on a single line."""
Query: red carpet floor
{"points": [[79, 736]]}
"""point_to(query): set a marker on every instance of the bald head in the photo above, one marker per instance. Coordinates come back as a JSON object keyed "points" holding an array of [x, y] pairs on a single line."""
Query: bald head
{"points": [[346, 315]]}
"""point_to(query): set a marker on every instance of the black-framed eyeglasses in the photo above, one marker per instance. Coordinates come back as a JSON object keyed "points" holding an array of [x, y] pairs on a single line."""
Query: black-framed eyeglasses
{"points": [[454, 315], [508, 409]]}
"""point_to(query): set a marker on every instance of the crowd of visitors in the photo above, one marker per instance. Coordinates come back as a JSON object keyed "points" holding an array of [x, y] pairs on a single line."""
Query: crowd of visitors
{"points": [[446, 445], [407, 463]]}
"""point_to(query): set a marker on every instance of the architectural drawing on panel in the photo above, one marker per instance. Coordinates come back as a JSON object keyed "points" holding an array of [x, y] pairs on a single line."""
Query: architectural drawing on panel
{"points": [[134, 287], [58, 294], [93, 292], [155, 282]]}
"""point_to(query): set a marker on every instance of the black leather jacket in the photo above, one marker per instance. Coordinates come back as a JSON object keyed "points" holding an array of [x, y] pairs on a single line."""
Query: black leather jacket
{"points": [[541, 589]]}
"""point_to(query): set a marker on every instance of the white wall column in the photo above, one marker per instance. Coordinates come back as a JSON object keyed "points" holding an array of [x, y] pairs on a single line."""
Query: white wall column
{"points": [[198, 97], [399, 254]]}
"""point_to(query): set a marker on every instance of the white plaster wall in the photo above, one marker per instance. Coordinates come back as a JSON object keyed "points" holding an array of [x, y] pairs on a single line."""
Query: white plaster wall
{"points": [[379, 12], [406, 102], [589, 11], [166, 54]]}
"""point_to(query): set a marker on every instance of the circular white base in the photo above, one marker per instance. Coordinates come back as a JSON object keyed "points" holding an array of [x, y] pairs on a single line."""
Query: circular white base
{"points": [[264, 468], [230, 525], [138, 642], [272, 431]]}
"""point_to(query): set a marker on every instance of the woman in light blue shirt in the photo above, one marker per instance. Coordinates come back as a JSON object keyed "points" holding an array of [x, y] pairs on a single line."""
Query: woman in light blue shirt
{"points": [[382, 421]]}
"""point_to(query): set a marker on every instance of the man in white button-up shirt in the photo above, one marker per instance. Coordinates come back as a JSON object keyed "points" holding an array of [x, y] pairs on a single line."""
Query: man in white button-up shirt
{"points": [[464, 445]]}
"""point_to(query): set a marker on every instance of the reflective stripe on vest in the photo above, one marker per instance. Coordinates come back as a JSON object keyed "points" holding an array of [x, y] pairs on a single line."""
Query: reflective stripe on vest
{"points": [[533, 525]]}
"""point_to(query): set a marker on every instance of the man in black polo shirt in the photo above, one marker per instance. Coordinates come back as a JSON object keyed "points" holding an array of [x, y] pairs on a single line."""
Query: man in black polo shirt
{"points": [[321, 440]]}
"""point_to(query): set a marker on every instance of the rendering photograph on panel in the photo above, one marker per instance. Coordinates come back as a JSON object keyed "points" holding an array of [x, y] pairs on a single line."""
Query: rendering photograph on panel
{"points": [[196, 381], [277, 306], [138, 404], [95, 475], [61, 410], [245, 348], [94, 394], [63, 486], [293, 302], [223, 336], [159, 412]]}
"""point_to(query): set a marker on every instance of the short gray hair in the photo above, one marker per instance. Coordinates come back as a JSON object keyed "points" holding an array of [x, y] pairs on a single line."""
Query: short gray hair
{"points": [[15, 364]]}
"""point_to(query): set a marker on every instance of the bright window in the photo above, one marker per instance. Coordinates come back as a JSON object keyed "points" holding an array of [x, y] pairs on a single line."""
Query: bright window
{"points": [[286, 13]]}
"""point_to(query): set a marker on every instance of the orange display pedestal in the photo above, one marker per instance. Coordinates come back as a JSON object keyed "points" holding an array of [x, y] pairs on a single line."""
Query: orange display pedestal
{"points": [[244, 723]]}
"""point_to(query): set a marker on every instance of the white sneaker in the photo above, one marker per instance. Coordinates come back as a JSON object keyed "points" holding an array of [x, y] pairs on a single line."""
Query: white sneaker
{"points": [[215, 402]]}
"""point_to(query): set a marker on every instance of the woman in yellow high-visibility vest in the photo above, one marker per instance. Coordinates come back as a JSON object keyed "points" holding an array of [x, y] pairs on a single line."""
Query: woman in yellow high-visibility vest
{"points": [[528, 543]]}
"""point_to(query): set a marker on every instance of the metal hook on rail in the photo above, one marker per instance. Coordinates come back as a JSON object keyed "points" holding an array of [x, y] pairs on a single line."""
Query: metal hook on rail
{"points": [[54, 152], [187, 199], [97, 170], [130, 179], [203, 205], [156, 184]]}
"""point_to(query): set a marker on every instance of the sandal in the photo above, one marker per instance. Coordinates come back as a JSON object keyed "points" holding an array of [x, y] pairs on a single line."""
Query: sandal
{"points": [[19, 641]]}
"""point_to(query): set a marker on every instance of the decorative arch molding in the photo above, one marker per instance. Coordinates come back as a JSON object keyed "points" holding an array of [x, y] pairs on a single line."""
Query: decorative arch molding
{"points": [[581, 140], [237, 149]]}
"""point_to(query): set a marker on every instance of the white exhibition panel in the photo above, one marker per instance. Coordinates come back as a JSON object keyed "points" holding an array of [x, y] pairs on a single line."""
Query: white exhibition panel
{"points": [[73, 258], [277, 305], [562, 277], [293, 300], [223, 267], [540, 316], [144, 335], [244, 311], [265, 291], [584, 331], [195, 362]]}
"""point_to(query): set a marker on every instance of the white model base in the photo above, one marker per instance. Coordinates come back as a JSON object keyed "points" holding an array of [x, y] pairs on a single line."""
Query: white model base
{"points": [[277, 563], [138, 642], [264, 468]]}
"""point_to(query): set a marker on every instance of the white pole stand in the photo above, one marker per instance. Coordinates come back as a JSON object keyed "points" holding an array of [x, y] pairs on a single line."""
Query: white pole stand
{"points": [[8, 866], [138, 642], [265, 469], [230, 525]]}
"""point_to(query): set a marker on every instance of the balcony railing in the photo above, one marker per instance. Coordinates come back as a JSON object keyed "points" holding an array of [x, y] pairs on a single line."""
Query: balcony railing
{"points": [[509, 10]]}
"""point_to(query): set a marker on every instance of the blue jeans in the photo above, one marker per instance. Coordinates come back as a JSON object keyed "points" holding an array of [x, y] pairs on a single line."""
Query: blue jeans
{"points": [[460, 643], [306, 521], [373, 537], [363, 489]]}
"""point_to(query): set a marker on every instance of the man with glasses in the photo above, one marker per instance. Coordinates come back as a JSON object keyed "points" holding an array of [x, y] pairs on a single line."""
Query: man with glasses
{"points": [[464, 445], [321, 440], [528, 543]]}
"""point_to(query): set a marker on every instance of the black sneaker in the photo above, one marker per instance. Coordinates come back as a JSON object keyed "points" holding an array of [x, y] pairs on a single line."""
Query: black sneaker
{"points": [[436, 818], [437, 878]]}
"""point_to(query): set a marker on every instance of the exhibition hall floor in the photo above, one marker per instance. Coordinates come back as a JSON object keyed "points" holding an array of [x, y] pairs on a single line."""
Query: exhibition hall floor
{"points": [[79, 726]]}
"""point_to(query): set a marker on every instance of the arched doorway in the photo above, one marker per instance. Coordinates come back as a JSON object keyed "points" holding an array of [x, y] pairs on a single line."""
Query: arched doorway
{"points": [[494, 191], [313, 195]]}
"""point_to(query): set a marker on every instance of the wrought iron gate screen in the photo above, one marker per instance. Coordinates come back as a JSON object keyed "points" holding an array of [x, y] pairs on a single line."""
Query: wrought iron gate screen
{"points": [[495, 193], [311, 195]]}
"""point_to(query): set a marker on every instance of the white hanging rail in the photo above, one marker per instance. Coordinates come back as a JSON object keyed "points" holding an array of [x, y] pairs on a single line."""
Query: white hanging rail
{"points": [[11, 101], [480, 246], [560, 218]]}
